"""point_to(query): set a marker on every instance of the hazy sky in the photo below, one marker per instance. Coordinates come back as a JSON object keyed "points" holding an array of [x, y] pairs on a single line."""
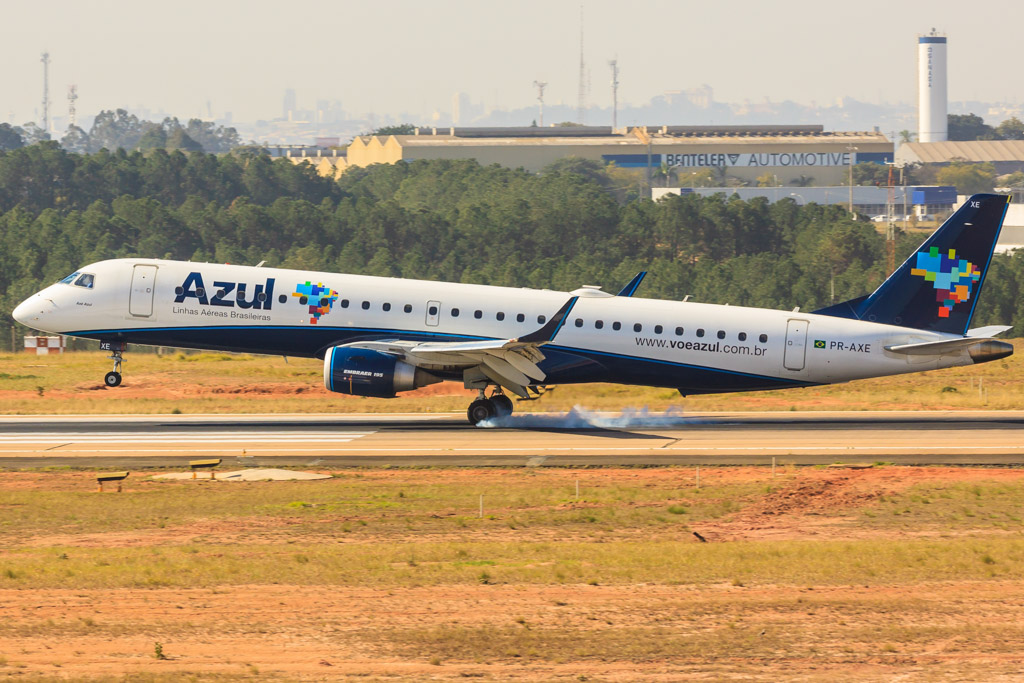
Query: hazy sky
{"points": [[401, 56]]}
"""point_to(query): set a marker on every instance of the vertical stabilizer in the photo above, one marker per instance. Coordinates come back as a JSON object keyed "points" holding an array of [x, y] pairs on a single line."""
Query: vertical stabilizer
{"points": [[937, 288]]}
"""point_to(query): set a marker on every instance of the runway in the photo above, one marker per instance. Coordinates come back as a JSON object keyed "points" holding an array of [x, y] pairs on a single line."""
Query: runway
{"points": [[419, 440]]}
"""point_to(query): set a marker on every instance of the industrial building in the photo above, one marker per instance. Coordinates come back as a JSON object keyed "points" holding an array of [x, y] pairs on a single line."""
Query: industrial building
{"points": [[791, 154], [1007, 156]]}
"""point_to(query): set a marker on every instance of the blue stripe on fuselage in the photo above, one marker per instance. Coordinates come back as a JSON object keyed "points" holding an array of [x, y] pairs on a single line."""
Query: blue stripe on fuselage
{"points": [[564, 364]]}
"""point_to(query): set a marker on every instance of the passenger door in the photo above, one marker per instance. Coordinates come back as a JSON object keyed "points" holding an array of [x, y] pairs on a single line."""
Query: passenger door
{"points": [[796, 345], [140, 301]]}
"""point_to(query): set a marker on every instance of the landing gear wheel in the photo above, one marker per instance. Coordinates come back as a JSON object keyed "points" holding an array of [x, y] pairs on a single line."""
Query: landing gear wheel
{"points": [[112, 379], [502, 405], [480, 410]]}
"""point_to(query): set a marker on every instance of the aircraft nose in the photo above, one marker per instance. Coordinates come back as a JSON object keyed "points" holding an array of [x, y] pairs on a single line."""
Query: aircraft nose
{"points": [[32, 310]]}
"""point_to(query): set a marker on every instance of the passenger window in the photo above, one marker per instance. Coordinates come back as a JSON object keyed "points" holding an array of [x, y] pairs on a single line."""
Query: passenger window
{"points": [[742, 336], [386, 307], [616, 326], [281, 299], [721, 334], [86, 281], [599, 324], [366, 305], [500, 316], [520, 317], [541, 319], [344, 303], [700, 332], [679, 332], [179, 291], [579, 322], [262, 296], [432, 310], [478, 314], [637, 327], [407, 309], [658, 329], [763, 338], [201, 292], [302, 300], [455, 313]]}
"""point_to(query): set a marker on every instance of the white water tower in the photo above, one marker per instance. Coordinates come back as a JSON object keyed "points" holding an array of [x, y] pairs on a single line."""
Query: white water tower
{"points": [[931, 88]]}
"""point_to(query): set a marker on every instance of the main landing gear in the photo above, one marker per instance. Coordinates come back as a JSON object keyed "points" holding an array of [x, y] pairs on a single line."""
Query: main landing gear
{"points": [[113, 378], [483, 408]]}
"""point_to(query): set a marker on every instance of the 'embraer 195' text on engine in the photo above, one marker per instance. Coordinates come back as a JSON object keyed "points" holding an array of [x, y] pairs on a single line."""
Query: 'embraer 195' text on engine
{"points": [[225, 293]]}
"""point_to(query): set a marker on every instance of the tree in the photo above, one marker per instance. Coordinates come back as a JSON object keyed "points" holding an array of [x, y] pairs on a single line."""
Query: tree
{"points": [[32, 133], [400, 129], [768, 180], [968, 127], [10, 137], [967, 177], [155, 137], [1014, 180], [116, 130], [75, 140], [1011, 129], [908, 136], [180, 140]]}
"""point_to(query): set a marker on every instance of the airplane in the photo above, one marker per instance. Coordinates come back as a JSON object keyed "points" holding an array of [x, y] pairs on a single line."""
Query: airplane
{"points": [[381, 336]]}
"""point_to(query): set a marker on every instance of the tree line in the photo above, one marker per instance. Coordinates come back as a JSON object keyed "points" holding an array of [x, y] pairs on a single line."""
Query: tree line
{"points": [[438, 220]]}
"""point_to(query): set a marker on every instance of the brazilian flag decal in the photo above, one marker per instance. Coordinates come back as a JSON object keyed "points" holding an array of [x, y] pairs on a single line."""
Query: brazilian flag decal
{"points": [[819, 343]]}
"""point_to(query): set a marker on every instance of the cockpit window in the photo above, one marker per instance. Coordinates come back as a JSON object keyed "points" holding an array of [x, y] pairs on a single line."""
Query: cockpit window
{"points": [[85, 280], [70, 278]]}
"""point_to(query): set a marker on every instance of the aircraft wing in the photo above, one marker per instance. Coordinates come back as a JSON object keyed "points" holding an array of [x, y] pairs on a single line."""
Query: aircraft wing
{"points": [[510, 363]]}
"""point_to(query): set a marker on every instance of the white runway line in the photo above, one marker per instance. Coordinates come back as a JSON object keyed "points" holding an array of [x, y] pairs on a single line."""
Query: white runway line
{"points": [[179, 437]]}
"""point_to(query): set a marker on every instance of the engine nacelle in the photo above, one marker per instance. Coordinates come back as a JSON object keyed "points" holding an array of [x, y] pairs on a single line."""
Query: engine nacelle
{"points": [[362, 372]]}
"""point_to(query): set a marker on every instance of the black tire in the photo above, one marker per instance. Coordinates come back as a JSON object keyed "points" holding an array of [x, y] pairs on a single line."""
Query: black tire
{"points": [[502, 405], [480, 410], [112, 379]]}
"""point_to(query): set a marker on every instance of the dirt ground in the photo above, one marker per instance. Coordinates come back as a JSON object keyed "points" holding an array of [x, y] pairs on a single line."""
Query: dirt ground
{"points": [[943, 630]]}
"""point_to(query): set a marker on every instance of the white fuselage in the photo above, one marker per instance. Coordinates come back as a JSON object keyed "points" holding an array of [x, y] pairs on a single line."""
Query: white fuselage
{"points": [[695, 347]]}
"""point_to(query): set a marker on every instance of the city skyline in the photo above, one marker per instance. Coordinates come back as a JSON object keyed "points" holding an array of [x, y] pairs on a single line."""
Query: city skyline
{"points": [[206, 60]]}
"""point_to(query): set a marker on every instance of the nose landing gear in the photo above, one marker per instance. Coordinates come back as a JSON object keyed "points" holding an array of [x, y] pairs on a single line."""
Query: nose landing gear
{"points": [[483, 408], [113, 378]]}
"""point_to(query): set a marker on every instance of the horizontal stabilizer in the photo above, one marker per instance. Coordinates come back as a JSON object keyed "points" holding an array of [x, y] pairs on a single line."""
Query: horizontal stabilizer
{"points": [[989, 330], [938, 348]]}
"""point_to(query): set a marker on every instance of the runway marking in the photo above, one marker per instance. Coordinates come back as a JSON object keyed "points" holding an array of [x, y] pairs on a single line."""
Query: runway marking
{"points": [[63, 439], [732, 450]]}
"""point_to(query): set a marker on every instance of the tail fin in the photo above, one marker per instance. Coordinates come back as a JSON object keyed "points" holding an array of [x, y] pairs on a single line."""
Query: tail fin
{"points": [[937, 287]]}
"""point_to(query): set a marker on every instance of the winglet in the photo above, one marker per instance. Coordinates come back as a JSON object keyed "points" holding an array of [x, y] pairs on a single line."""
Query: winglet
{"points": [[551, 328], [634, 284]]}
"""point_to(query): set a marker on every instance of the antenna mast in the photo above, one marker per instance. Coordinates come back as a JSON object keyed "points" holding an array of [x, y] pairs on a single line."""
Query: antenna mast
{"points": [[614, 64], [540, 85], [72, 96], [581, 100], [46, 91]]}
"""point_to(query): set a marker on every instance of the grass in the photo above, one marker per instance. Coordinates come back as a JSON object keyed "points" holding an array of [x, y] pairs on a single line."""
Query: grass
{"points": [[385, 503], [201, 383], [417, 528], [671, 562]]}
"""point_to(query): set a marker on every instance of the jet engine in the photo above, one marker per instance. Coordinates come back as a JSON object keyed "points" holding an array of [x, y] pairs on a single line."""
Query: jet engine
{"points": [[363, 372]]}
